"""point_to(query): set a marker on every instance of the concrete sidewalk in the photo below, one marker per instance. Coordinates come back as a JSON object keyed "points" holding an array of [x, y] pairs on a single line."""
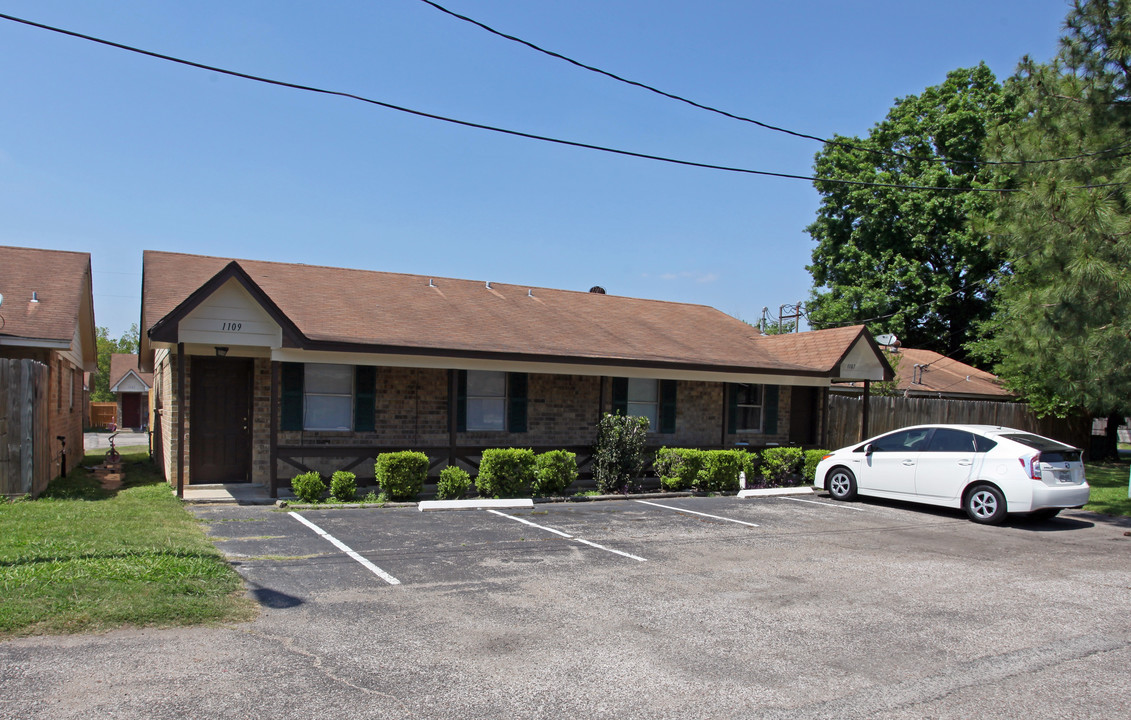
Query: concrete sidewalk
{"points": [[233, 493]]}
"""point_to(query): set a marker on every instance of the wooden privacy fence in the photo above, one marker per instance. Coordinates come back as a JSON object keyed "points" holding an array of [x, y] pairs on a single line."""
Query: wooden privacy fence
{"points": [[890, 413], [102, 414], [25, 439]]}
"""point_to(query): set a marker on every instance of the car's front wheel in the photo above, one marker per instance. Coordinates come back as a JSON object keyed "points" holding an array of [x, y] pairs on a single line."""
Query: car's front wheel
{"points": [[842, 484], [985, 504]]}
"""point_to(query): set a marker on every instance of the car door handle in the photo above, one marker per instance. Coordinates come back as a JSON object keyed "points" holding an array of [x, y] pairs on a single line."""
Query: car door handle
{"points": [[965, 463], [908, 463]]}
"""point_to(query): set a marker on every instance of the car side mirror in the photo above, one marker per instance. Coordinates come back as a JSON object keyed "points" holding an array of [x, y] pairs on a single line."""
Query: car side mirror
{"points": [[868, 450]]}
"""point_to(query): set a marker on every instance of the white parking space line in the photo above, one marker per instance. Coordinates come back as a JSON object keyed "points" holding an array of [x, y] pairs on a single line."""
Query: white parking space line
{"points": [[568, 536], [347, 550], [693, 512], [828, 505]]}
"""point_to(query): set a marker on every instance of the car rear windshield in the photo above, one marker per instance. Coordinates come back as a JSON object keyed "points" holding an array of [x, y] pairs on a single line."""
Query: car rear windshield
{"points": [[1051, 450]]}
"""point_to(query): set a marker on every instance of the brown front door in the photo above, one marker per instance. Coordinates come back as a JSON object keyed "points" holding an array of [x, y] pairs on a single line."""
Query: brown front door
{"points": [[220, 446], [803, 416], [131, 410]]}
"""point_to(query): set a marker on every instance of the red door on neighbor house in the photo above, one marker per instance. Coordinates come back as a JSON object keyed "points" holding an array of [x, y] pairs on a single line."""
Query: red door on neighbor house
{"points": [[220, 420], [131, 410]]}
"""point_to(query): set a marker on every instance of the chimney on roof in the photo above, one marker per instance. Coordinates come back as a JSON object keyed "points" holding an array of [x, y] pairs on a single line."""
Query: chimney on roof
{"points": [[597, 289]]}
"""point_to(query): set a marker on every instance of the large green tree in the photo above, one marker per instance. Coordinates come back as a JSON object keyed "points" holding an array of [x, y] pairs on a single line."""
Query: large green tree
{"points": [[1061, 331], [908, 261], [107, 346]]}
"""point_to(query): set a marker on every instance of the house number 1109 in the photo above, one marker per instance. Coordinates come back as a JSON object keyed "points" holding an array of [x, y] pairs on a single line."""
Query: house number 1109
{"points": [[232, 326]]}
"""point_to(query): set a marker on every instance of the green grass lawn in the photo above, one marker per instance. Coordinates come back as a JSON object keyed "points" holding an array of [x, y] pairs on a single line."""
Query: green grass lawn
{"points": [[80, 558], [1109, 487]]}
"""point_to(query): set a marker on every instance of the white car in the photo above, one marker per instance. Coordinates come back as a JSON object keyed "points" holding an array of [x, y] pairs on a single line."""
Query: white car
{"points": [[985, 470]]}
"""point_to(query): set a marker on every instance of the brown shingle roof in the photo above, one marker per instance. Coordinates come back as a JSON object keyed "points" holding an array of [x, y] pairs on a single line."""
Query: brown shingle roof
{"points": [[380, 310], [945, 375], [122, 363], [59, 279]]}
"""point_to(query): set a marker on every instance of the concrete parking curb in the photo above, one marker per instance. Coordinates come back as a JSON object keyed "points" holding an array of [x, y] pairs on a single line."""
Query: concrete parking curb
{"points": [[770, 492], [475, 504]]}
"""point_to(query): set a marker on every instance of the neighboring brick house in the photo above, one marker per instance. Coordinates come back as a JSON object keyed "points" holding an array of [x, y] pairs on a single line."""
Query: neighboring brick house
{"points": [[263, 369], [131, 391], [47, 315]]}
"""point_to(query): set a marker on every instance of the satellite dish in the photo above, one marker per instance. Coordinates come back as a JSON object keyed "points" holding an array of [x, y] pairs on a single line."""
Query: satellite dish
{"points": [[887, 339]]}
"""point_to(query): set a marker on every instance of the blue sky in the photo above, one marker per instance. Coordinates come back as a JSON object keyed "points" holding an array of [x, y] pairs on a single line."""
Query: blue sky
{"points": [[113, 153]]}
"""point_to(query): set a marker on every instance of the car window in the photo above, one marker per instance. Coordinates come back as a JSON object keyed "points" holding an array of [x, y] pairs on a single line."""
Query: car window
{"points": [[1037, 442], [911, 440], [983, 443], [951, 440]]}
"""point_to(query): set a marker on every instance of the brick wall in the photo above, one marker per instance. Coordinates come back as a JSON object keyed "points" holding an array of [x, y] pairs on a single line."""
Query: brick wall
{"points": [[64, 412]]}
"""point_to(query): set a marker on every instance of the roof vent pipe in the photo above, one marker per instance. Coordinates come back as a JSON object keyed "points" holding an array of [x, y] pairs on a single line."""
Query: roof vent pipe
{"points": [[34, 296], [431, 283], [489, 285], [530, 293]]}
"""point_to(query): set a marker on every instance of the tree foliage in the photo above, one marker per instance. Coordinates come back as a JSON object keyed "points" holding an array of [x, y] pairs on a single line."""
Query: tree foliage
{"points": [[909, 257], [107, 346], [1061, 331]]}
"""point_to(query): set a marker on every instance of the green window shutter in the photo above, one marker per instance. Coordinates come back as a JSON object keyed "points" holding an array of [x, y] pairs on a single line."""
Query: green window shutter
{"points": [[667, 406], [516, 402], [461, 401], [732, 408], [364, 398], [771, 401], [620, 396], [291, 397]]}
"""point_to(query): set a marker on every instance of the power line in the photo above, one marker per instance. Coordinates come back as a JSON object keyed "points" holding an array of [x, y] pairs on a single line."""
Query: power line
{"points": [[505, 131], [741, 118]]}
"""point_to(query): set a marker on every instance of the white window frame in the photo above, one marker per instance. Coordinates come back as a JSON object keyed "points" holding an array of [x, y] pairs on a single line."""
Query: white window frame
{"points": [[760, 405], [639, 404], [480, 397], [307, 395]]}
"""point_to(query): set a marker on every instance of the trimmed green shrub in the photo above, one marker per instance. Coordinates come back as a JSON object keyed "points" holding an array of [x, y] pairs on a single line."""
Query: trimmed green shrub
{"points": [[781, 465], [343, 486], [678, 468], [506, 472], [401, 474], [619, 457], [453, 484], [809, 467], [719, 471], [554, 471], [308, 487]]}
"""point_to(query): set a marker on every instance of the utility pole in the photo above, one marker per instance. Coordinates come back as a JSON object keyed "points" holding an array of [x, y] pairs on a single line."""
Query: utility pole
{"points": [[790, 312]]}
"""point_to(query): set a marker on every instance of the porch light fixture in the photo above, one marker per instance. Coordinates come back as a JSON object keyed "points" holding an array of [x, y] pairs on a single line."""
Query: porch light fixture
{"points": [[221, 351]]}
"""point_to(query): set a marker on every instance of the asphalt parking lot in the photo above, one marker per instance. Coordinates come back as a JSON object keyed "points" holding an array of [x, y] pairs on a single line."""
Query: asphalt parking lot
{"points": [[688, 607]]}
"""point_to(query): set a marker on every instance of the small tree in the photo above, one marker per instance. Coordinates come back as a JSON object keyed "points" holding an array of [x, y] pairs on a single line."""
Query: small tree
{"points": [[619, 457]]}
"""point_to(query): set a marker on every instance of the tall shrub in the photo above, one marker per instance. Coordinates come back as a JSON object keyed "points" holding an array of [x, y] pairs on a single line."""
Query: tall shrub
{"points": [[401, 474], [619, 458], [506, 472], [343, 486], [554, 471]]}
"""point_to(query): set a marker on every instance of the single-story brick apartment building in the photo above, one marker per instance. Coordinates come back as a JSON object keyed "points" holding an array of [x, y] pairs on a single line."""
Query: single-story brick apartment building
{"points": [[264, 369]]}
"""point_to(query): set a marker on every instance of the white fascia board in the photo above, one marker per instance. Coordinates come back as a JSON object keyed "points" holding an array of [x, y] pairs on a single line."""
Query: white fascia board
{"points": [[36, 343], [546, 368]]}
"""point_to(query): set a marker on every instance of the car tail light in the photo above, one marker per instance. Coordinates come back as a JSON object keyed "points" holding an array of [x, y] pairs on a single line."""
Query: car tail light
{"points": [[1032, 466]]}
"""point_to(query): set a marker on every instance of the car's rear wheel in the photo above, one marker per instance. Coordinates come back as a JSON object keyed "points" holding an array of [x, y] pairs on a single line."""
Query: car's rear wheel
{"points": [[985, 504], [1045, 513], [842, 484]]}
